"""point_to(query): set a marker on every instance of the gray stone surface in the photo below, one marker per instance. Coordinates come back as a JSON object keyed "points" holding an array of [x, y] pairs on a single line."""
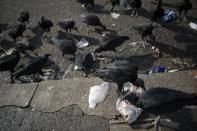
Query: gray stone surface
{"points": [[181, 80], [16, 94], [53, 95], [29, 119]]}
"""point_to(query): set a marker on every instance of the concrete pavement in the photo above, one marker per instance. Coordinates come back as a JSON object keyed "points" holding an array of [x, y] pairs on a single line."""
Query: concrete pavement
{"points": [[53, 96]]}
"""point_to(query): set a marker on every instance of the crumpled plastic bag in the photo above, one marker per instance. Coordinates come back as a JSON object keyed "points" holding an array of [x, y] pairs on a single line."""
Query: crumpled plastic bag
{"points": [[169, 15], [129, 112], [158, 69], [98, 94], [115, 15], [135, 90], [193, 25], [82, 43]]}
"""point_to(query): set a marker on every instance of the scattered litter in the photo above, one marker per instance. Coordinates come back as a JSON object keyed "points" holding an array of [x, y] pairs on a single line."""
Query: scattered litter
{"points": [[193, 25], [133, 44], [175, 70], [83, 97], [169, 15], [156, 52], [115, 15], [136, 90], [158, 69], [51, 87], [103, 34], [129, 112], [113, 25], [98, 94], [82, 43]]}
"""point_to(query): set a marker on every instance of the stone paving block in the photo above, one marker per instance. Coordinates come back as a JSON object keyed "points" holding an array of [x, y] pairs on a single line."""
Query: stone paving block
{"points": [[16, 94]]}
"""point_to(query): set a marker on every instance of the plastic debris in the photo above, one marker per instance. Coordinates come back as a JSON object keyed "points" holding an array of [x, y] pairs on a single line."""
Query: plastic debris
{"points": [[113, 25], [193, 25], [51, 87], [169, 15], [158, 69], [98, 94], [136, 90], [82, 43], [115, 15], [129, 112], [175, 70], [133, 44], [156, 52]]}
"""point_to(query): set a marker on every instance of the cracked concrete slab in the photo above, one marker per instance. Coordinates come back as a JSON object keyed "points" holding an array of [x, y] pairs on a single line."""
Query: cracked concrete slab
{"points": [[16, 94], [29, 119], [53, 95]]}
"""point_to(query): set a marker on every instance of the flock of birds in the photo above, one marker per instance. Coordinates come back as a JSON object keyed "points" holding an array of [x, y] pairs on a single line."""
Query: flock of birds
{"points": [[119, 71]]}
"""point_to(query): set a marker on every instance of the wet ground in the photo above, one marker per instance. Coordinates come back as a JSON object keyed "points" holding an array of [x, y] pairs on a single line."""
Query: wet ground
{"points": [[177, 42]]}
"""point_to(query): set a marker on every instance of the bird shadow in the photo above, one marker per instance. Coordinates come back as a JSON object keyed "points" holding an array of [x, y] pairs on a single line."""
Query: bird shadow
{"points": [[4, 26], [36, 30], [170, 50], [142, 62], [145, 13], [185, 118], [6, 44], [107, 31], [99, 9], [36, 41], [168, 5], [91, 40], [185, 34], [142, 12], [193, 19]]}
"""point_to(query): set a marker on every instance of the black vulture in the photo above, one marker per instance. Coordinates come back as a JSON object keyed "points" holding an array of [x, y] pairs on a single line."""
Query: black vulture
{"points": [[183, 5], [67, 25], [111, 43], [67, 46], [45, 24], [113, 3], [91, 20], [83, 61], [157, 12], [23, 17], [119, 72], [33, 67], [86, 2], [145, 30], [135, 5], [160, 101], [17, 31], [9, 61]]}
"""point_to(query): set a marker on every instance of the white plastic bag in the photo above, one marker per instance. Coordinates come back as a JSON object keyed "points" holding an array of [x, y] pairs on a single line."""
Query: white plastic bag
{"points": [[82, 43], [193, 25], [115, 15], [98, 94], [129, 112]]}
